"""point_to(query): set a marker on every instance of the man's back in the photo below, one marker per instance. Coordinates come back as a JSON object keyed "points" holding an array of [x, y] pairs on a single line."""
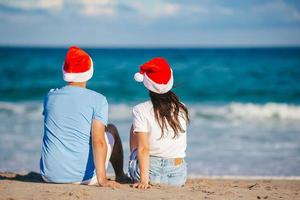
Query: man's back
{"points": [[67, 151]]}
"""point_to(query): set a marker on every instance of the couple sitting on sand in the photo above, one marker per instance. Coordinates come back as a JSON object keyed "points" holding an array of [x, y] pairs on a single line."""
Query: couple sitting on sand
{"points": [[78, 142]]}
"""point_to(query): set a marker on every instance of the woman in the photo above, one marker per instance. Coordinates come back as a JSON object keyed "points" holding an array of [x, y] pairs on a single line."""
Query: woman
{"points": [[158, 133]]}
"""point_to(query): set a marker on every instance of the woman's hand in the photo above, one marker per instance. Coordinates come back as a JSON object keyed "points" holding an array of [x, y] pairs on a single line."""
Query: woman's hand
{"points": [[108, 183], [142, 185]]}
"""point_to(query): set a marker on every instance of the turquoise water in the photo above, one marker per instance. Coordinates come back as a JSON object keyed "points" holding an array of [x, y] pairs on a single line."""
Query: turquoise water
{"points": [[201, 75], [244, 104]]}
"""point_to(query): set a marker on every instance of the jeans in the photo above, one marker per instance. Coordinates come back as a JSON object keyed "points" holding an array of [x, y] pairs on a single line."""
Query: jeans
{"points": [[161, 170]]}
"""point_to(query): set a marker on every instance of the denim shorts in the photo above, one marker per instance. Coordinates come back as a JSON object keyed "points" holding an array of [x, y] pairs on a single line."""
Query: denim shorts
{"points": [[161, 170]]}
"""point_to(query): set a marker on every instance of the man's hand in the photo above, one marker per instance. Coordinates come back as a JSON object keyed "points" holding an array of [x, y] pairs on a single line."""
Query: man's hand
{"points": [[142, 185], [111, 184]]}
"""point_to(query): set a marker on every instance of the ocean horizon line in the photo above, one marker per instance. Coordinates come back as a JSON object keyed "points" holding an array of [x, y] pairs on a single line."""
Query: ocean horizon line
{"points": [[149, 47]]}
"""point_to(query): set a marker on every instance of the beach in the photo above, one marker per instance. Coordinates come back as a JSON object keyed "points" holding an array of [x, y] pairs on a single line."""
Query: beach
{"points": [[244, 114], [30, 186]]}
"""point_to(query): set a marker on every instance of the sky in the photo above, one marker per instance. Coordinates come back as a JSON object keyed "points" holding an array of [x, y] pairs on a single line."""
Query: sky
{"points": [[150, 23]]}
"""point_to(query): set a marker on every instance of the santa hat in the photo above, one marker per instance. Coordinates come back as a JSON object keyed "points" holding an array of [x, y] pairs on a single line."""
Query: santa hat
{"points": [[78, 66], [156, 75]]}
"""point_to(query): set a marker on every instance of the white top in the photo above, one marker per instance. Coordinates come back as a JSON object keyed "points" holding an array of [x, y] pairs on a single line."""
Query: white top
{"points": [[165, 147]]}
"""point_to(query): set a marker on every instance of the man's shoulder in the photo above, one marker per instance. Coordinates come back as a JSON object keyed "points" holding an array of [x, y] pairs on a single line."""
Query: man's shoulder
{"points": [[87, 93], [95, 94], [52, 92]]}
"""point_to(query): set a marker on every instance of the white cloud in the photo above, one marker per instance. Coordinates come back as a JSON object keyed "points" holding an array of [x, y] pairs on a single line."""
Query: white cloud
{"points": [[95, 11], [149, 9], [169, 9], [98, 7], [96, 2], [85, 7], [35, 4]]}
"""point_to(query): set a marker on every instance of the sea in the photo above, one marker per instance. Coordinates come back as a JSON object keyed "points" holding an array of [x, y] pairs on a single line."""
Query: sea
{"points": [[244, 104]]}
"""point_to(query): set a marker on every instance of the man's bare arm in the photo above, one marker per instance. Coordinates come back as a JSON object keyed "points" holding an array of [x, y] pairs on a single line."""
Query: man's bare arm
{"points": [[100, 153]]}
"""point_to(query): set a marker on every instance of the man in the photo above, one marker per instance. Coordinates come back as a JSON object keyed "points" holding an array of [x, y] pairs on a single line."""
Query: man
{"points": [[77, 142]]}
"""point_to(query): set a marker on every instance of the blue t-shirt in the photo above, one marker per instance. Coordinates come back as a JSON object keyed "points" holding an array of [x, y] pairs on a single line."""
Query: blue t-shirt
{"points": [[67, 154]]}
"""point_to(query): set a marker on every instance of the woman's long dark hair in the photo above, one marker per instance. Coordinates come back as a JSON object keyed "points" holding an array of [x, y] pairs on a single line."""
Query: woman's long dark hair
{"points": [[167, 110]]}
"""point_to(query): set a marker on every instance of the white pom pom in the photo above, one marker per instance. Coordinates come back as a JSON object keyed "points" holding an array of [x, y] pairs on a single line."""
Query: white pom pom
{"points": [[138, 77]]}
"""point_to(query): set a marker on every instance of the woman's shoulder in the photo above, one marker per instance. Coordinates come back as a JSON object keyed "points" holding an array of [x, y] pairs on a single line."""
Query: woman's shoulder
{"points": [[143, 106]]}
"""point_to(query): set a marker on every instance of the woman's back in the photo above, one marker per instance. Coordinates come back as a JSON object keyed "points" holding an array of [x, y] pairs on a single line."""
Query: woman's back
{"points": [[166, 145]]}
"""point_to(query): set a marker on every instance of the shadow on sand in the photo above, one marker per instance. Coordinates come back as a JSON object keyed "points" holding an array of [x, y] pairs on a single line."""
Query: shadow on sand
{"points": [[32, 177]]}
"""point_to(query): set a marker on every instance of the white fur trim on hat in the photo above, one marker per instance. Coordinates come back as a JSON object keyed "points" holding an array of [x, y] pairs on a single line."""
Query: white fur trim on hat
{"points": [[158, 88], [79, 77], [138, 77]]}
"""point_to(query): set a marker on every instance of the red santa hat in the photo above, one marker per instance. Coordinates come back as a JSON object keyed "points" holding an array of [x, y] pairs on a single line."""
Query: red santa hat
{"points": [[78, 66], [156, 75]]}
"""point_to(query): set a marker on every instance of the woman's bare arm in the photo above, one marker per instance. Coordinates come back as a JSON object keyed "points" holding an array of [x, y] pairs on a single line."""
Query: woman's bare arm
{"points": [[143, 158]]}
